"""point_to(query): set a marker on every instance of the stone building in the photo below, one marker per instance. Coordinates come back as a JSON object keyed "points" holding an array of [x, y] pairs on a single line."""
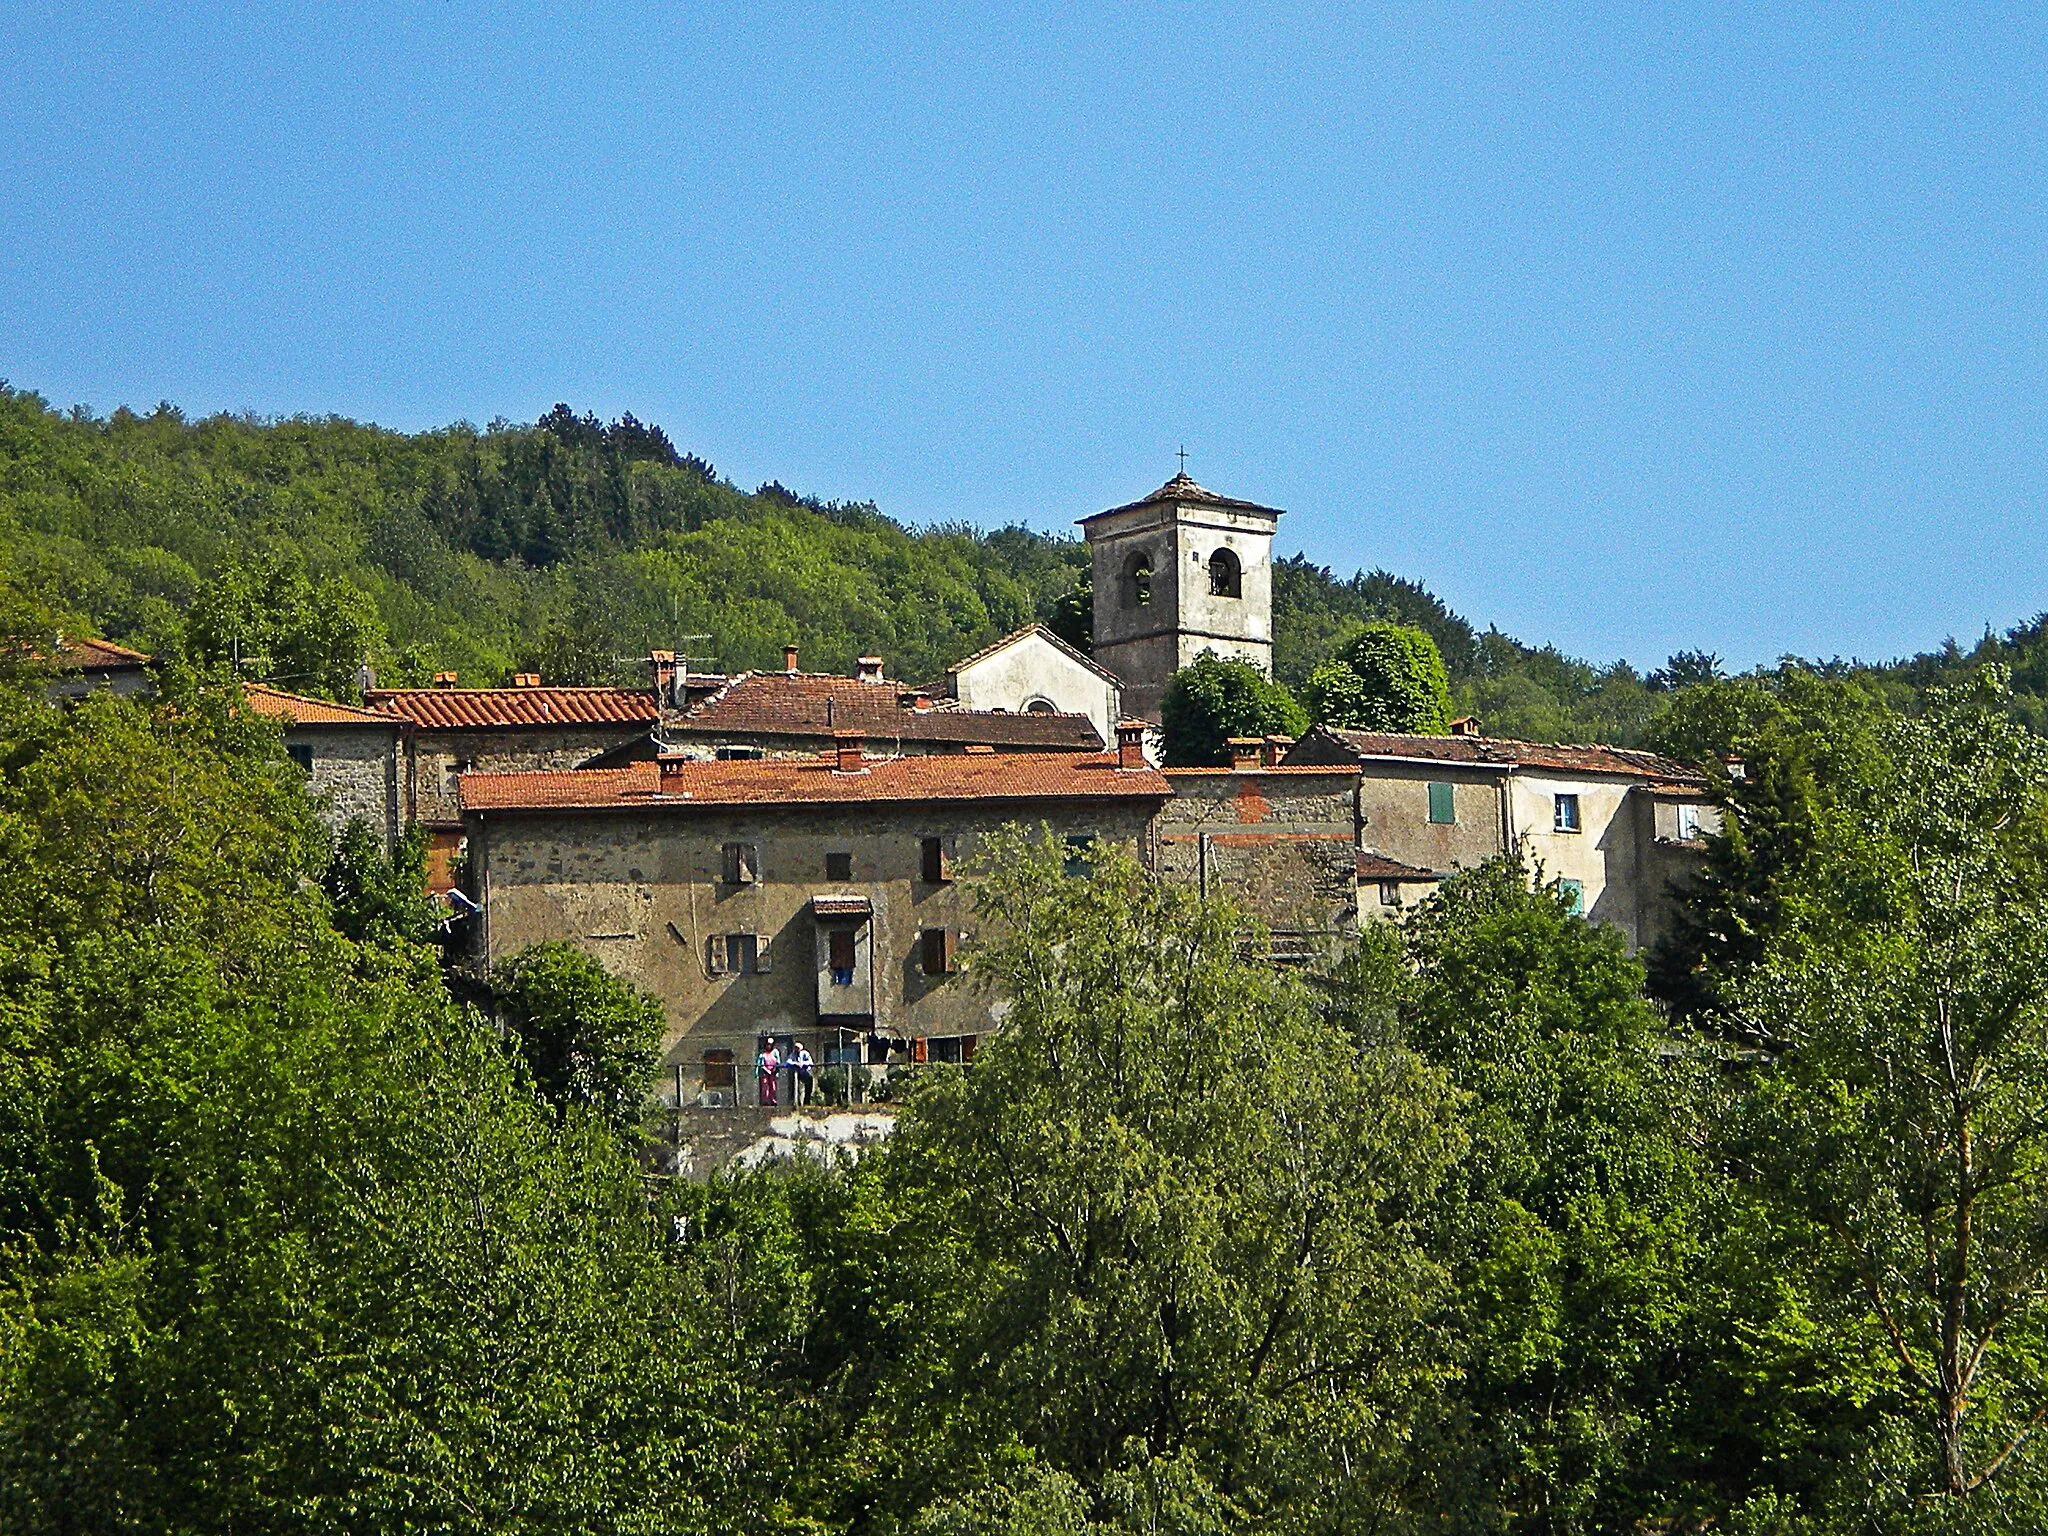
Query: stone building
{"points": [[1181, 572], [450, 731], [799, 714], [84, 665], [351, 757], [1280, 841], [786, 899], [1617, 827], [1032, 671]]}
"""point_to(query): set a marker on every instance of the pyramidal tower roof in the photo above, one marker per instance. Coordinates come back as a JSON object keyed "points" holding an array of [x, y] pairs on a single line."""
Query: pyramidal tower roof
{"points": [[1183, 490]]}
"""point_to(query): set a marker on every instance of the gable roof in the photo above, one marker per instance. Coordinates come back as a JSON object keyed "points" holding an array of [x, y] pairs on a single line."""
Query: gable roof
{"points": [[296, 709], [680, 783], [1042, 633], [1181, 490], [1377, 866], [1499, 752], [819, 704], [96, 655], [494, 708]]}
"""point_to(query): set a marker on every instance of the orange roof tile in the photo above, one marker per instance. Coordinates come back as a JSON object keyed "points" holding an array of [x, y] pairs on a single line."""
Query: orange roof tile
{"points": [[279, 705], [682, 783], [1498, 752], [491, 708], [819, 704], [91, 655]]}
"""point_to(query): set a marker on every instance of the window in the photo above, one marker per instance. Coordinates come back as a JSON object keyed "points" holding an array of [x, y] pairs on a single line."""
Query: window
{"points": [[1688, 820], [302, 755], [937, 865], [737, 954], [955, 1048], [718, 1071], [1040, 707], [1079, 866], [1443, 807], [740, 754], [1390, 893], [1138, 580], [1565, 815], [742, 863], [838, 866], [1574, 896], [1226, 577], [839, 956], [939, 950]]}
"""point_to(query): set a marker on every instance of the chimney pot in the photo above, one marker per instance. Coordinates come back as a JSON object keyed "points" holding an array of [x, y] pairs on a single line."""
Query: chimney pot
{"points": [[444, 679], [789, 658], [851, 751], [1465, 725], [1273, 749], [1130, 744], [869, 669], [1245, 752]]}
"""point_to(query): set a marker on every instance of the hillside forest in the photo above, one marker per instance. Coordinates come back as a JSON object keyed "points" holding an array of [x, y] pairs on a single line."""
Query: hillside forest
{"points": [[572, 546]]}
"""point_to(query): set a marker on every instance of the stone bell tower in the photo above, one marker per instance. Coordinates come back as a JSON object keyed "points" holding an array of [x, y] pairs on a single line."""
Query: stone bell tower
{"points": [[1181, 572]]}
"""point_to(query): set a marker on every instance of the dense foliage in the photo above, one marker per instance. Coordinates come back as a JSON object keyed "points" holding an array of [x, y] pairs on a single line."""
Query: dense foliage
{"points": [[1386, 677], [1212, 700]]}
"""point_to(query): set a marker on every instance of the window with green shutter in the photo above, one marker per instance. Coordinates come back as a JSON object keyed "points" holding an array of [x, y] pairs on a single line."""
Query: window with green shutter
{"points": [[1442, 808]]}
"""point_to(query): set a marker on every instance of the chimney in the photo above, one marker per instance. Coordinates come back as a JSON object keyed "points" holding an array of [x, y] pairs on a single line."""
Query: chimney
{"points": [[870, 669], [661, 667], [525, 679], [1245, 752], [789, 658], [1273, 749], [851, 753], [1130, 744], [914, 699], [1465, 725], [444, 679]]}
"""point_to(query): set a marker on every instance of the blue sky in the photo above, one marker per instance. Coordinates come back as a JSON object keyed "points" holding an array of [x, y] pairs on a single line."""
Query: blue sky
{"points": [[1627, 328]]}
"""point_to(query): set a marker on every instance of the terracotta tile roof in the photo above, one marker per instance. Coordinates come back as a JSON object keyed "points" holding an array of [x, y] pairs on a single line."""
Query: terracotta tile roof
{"points": [[1025, 634], [1180, 489], [279, 705], [1377, 866], [93, 655], [1497, 752], [1279, 768], [488, 708], [681, 783], [820, 704]]}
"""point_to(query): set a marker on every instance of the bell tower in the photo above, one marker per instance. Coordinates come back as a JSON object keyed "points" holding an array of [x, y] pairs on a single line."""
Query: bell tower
{"points": [[1181, 572]]}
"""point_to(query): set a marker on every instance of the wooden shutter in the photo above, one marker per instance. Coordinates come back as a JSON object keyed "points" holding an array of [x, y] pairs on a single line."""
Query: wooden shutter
{"points": [[1443, 803], [714, 954], [841, 946], [762, 959], [951, 957], [933, 943], [938, 868]]}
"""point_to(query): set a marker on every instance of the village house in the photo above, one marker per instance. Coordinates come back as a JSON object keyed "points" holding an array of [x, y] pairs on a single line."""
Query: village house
{"points": [[85, 665], [350, 757], [782, 899], [1613, 826], [450, 731]]}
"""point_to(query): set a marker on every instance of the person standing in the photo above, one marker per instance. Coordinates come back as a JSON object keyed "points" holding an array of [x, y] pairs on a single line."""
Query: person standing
{"points": [[800, 1074], [765, 1068]]}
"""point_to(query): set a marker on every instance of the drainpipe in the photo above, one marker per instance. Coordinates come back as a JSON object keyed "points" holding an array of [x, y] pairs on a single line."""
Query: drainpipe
{"points": [[1507, 812]]}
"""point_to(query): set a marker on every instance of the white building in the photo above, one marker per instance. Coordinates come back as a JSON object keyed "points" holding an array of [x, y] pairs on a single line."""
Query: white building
{"points": [[1034, 672]]}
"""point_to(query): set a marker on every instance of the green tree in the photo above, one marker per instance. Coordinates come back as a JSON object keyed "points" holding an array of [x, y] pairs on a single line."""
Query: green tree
{"points": [[1902, 1132], [1212, 700], [284, 628], [1573, 1229], [1387, 677], [589, 1038], [1172, 1219]]}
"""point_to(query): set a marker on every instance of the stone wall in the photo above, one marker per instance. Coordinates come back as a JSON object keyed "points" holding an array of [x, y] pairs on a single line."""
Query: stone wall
{"points": [[645, 892], [435, 757], [1281, 843], [353, 774]]}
